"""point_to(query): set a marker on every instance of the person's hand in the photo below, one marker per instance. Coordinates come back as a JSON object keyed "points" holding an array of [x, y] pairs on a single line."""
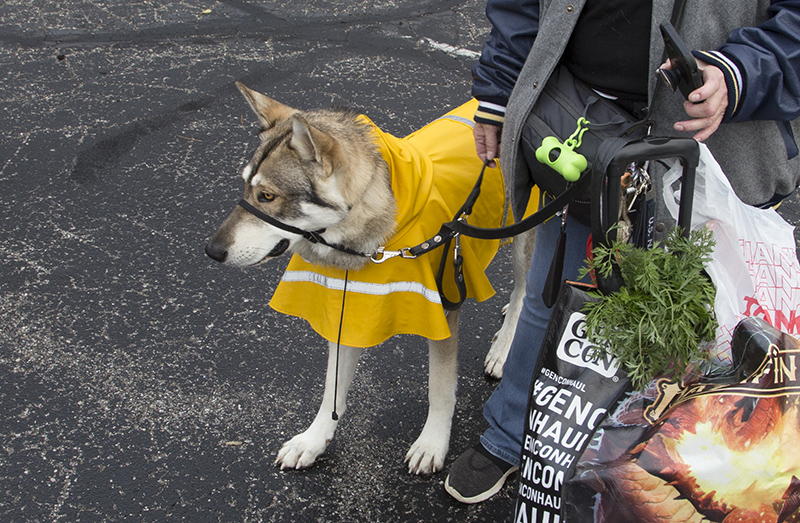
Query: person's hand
{"points": [[487, 142], [706, 105]]}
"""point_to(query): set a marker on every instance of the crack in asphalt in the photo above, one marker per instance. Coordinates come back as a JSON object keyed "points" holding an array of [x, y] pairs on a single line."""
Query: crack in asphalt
{"points": [[257, 23]]}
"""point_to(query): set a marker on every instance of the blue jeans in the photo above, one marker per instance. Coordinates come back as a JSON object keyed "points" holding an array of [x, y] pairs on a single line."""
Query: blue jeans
{"points": [[506, 408]]}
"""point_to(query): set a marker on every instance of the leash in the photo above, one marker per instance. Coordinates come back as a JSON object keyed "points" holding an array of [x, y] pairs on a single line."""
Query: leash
{"points": [[459, 226], [448, 232]]}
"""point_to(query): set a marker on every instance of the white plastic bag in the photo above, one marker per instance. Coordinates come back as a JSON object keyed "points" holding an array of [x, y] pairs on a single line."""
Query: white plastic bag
{"points": [[754, 265]]}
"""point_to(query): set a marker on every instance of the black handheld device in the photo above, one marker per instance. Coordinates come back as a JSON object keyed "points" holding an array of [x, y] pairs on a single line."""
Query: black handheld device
{"points": [[684, 74]]}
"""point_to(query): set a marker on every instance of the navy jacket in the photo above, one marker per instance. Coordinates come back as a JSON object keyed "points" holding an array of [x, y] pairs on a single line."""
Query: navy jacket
{"points": [[756, 44], [761, 64]]}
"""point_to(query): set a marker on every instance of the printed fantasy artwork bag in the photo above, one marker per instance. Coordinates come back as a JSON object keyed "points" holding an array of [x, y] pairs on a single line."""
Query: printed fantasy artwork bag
{"points": [[716, 451]]}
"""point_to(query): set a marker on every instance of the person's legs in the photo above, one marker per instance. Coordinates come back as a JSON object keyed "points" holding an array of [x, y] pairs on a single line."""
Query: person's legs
{"points": [[478, 473], [505, 409]]}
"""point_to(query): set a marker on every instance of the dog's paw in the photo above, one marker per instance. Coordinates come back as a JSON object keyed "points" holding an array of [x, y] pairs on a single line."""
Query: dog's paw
{"points": [[493, 365], [496, 357], [426, 457], [501, 343], [301, 451]]}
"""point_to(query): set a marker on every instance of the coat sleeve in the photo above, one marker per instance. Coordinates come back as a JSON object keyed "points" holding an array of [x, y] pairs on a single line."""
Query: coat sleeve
{"points": [[515, 24], [762, 66]]}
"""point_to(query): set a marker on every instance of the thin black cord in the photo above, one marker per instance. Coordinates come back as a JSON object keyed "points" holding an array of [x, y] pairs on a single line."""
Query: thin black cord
{"points": [[334, 415]]}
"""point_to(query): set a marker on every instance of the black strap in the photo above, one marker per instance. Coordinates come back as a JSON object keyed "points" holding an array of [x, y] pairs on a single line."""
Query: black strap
{"points": [[570, 193], [335, 414], [552, 284]]}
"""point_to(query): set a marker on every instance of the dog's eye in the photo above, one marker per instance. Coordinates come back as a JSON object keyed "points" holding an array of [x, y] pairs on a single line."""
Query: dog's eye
{"points": [[266, 197]]}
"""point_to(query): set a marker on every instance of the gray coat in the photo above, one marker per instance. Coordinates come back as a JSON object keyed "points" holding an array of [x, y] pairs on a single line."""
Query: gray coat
{"points": [[752, 154]]}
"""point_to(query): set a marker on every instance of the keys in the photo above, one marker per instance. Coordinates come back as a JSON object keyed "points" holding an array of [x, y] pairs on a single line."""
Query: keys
{"points": [[638, 182]]}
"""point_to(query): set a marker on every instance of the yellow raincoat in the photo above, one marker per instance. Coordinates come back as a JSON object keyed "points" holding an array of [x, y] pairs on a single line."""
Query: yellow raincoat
{"points": [[433, 170]]}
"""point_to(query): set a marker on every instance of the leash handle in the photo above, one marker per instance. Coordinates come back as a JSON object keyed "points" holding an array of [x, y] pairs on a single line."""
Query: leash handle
{"points": [[458, 274]]}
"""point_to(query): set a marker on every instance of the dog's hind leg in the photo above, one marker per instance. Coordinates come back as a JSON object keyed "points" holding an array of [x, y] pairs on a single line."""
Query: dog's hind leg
{"points": [[521, 252], [302, 450], [427, 454]]}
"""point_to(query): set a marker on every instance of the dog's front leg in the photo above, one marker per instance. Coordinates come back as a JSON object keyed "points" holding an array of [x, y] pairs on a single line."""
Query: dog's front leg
{"points": [[427, 454], [302, 450], [521, 252]]}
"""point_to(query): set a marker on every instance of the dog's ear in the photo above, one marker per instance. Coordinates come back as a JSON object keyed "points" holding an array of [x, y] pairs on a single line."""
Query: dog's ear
{"points": [[268, 110], [314, 145]]}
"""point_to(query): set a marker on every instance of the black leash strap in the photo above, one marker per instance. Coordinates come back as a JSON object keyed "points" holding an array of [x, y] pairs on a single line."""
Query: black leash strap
{"points": [[458, 226]]}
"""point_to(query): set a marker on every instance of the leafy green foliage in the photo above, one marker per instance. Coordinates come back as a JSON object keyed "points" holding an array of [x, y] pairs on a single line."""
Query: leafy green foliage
{"points": [[658, 320]]}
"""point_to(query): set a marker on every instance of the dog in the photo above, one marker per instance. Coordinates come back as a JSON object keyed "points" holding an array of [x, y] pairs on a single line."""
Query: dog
{"points": [[326, 185]]}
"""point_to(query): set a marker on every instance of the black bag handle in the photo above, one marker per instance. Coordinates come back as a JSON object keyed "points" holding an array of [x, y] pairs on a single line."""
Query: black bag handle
{"points": [[606, 188]]}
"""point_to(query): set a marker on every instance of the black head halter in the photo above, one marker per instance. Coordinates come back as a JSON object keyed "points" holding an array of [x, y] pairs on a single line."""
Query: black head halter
{"points": [[312, 236]]}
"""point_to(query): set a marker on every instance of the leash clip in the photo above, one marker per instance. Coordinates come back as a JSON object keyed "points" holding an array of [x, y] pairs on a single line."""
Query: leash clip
{"points": [[381, 254], [457, 248]]}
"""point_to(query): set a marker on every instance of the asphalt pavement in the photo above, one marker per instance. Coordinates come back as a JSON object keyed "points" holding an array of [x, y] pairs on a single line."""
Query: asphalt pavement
{"points": [[141, 381]]}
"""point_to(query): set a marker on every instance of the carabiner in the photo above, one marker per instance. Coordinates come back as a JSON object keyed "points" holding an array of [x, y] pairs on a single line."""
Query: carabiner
{"points": [[457, 247], [381, 254]]}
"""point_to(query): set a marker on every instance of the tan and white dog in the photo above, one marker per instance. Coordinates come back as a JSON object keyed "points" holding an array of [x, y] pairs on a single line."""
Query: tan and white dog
{"points": [[336, 175]]}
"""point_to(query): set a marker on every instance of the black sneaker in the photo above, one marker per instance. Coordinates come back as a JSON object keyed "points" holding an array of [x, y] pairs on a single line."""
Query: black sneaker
{"points": [[477, 475]]}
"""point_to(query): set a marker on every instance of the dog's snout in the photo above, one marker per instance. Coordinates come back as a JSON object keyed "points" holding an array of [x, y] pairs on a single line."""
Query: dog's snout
{"points": [[216, 251]]}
